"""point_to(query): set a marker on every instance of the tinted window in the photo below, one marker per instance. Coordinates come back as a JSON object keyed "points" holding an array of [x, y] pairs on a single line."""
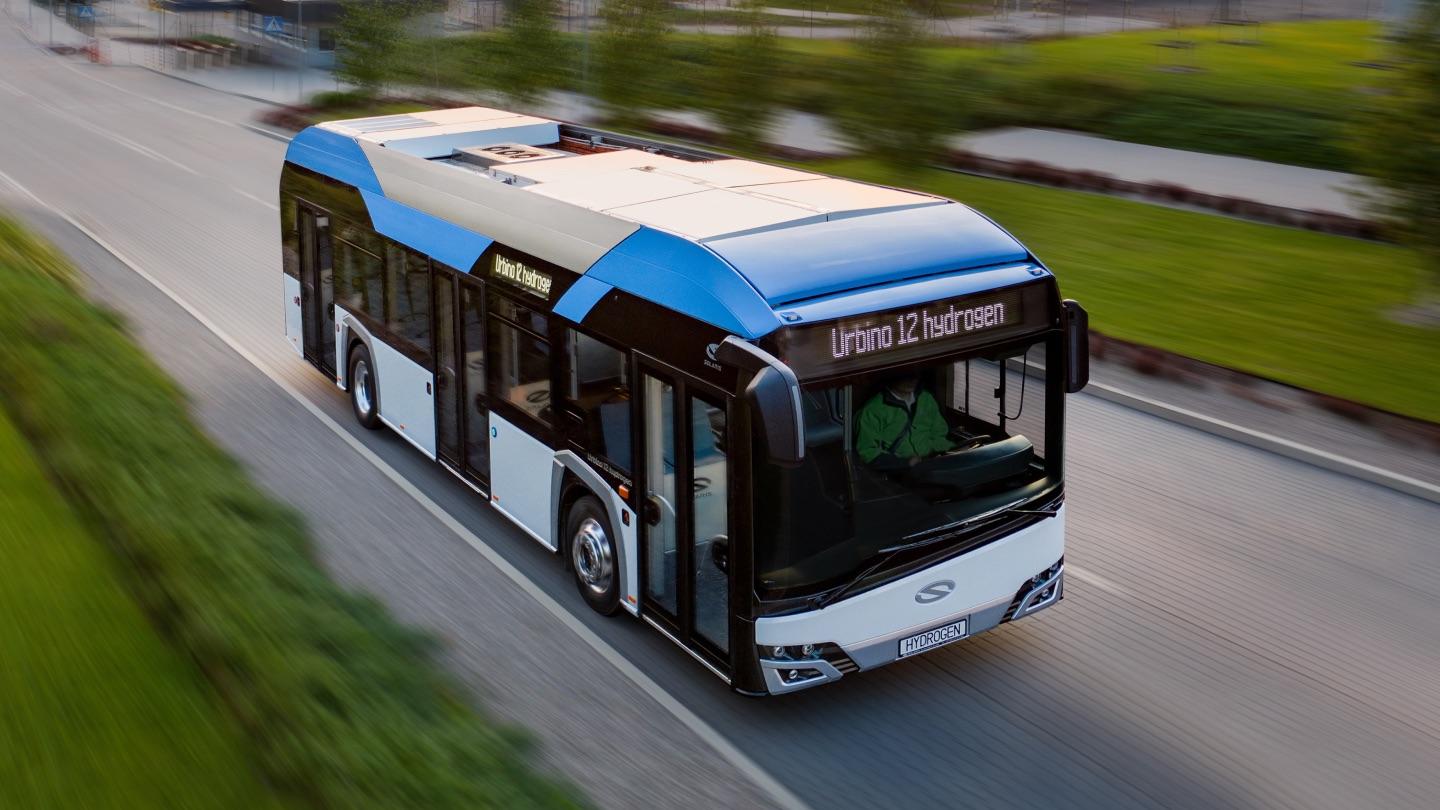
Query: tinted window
{"points": [[520, 369], [407, 307], [598, 390], [359, 270]]}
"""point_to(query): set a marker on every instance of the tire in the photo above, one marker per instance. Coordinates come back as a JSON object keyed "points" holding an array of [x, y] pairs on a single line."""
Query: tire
{"points": [[593, 557], [364, 388]]}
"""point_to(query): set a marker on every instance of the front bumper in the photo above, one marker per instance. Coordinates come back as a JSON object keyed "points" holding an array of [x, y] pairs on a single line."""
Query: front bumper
{"points": [[785, 675]]}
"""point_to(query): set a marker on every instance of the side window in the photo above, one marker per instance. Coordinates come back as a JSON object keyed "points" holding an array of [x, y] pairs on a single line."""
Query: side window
{"points": [[359, 271], [290, 235], [597, 385], [519, 370], [407, 307]]}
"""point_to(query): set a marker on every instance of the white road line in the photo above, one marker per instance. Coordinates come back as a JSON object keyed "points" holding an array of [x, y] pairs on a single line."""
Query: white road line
{"points": [[247, 195], [138, 148], [782, 796], [1096, 580]]}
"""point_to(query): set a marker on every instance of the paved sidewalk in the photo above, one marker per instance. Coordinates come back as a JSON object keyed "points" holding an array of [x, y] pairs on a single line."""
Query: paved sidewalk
{"points": [[1270, 183]]}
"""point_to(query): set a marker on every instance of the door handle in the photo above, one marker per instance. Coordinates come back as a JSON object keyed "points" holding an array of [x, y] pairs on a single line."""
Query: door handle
{"points": [[651, 511], [296, 300]]}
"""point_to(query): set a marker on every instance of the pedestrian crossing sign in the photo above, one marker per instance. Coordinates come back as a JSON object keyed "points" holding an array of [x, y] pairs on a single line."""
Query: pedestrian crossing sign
{"points": [[274, 25], [85, 12]]}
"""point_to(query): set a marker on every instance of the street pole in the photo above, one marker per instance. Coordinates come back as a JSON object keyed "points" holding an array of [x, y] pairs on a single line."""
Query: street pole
{"points": [[304, 48]]}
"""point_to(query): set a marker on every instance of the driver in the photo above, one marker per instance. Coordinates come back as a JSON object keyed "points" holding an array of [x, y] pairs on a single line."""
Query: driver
{"points": [[901, 425]]}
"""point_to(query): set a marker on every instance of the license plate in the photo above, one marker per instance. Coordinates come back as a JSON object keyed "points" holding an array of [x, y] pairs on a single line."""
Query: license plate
{"points": [[930, 639]]}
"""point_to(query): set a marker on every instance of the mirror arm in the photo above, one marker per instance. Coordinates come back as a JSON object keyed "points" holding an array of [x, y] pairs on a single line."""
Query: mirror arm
{"points": [[768, 373]]}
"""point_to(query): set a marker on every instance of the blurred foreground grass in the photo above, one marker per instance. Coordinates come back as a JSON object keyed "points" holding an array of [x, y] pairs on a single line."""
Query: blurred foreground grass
{"points": [[339, 704], [98, 710], [1295, 306]]}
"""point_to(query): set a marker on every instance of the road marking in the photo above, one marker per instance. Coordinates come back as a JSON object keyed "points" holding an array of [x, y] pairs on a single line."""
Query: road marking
{"points": [[1260, 440], [1098, 581], [138, 148], [247, 195], [782, 796]]}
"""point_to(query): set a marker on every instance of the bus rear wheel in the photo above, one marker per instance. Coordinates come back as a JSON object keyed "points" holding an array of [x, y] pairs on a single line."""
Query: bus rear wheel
{"points": [[592, 555], [363, 386]]}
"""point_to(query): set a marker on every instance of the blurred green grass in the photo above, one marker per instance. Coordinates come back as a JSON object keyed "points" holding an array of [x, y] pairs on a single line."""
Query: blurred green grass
{"points": [[341, 705], [1295, 306], [98, 710], [1286, 99]]}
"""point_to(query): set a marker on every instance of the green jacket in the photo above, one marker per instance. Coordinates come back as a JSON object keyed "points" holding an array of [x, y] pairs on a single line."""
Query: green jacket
{"points": [[882, 422]]}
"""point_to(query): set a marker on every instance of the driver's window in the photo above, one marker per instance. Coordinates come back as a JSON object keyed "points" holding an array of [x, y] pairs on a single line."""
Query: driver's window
{"points": [[999, 397]]}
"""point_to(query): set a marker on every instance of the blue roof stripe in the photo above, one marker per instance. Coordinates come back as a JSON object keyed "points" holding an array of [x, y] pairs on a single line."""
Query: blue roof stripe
{"points": [[687, 278], [582, 297], [333, 155], [433, 236], [809, 261]]}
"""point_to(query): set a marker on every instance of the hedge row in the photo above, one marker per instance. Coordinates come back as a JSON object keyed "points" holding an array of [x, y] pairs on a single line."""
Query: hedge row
{"points": [[344, 707]]}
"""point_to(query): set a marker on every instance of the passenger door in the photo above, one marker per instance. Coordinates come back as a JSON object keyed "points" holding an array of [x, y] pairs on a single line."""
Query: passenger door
{"points": [[685, 474], [462, 428], [317, 291]]}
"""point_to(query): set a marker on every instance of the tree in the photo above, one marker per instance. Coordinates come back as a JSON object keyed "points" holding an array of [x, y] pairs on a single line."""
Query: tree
{"points": [[892, 105], [1398, 140], [530, 51], [745, 83], [366, 39], [631, 57]]}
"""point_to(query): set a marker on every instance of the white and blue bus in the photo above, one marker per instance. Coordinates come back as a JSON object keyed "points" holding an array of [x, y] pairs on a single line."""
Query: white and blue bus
{"points": [[801, 425]]}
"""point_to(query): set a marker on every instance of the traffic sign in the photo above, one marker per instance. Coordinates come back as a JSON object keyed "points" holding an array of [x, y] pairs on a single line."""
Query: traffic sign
{"points": [[274, 25], [85, 12]]}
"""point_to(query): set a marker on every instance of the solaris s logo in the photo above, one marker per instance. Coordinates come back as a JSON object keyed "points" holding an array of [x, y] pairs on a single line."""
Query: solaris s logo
{"points": [[935, 591]]}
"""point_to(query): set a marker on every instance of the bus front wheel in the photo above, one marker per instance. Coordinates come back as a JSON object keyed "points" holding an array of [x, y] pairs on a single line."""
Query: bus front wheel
{"points": [[592, 555], [363, 387]]}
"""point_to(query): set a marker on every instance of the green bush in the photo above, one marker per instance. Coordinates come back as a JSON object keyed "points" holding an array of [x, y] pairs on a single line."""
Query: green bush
{"points": [[341, 99], [342, 704], [1280, 135]]}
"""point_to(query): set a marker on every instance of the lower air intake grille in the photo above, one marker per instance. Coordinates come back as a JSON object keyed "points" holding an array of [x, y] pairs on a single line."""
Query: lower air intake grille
{"points": [[839, 659]]}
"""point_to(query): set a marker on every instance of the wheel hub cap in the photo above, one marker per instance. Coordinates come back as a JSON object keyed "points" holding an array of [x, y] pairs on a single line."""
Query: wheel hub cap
{"points": [[592, 556]]}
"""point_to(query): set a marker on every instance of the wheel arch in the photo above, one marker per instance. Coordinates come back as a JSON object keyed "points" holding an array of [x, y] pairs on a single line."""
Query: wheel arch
{"points": [[353, 334], [576, 480]]}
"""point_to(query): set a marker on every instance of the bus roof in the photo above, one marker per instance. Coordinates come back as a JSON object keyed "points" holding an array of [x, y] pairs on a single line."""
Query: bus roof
{"points": [[724, 240]]}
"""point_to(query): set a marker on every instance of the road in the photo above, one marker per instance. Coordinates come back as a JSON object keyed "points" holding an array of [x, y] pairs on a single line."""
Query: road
{"points": [[1240, 630]]}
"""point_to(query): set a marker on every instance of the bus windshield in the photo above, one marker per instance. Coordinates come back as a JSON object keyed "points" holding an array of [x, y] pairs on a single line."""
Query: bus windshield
{"points": [[892, 457]]}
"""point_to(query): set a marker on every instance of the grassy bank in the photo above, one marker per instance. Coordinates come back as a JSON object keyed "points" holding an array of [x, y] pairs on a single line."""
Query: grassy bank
{"points": [[99, 710], [1299, 307], [339, 705]]}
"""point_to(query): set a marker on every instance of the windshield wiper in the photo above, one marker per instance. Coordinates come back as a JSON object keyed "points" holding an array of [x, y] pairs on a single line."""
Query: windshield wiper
{"points": [[950, 528], [935, 535]]}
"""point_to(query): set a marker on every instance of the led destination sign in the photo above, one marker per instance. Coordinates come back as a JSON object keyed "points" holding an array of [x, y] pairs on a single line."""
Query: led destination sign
{"points": [[527, 277], [918, 326], [918, 331]]}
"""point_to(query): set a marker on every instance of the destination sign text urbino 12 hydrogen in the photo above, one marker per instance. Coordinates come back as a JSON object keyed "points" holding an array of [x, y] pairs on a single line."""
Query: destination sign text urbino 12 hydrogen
{"points": [[891, 336]]}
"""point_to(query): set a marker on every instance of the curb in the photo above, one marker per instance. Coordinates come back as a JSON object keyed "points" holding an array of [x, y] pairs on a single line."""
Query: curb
{"points": [[257, 99], [1296, 451]]}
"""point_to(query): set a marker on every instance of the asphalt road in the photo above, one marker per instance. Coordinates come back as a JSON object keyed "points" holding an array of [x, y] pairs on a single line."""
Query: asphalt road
{"points": [[1240, 630]]}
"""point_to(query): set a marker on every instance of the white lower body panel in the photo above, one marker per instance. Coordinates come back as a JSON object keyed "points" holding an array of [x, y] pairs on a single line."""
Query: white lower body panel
{"points": [[294, 326], [521, 474], [406, 402]]}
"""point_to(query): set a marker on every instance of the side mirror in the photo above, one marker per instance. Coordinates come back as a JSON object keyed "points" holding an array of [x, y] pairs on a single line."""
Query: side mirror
{"points": [[720, 552], [774, 397], [1077, 346]]}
